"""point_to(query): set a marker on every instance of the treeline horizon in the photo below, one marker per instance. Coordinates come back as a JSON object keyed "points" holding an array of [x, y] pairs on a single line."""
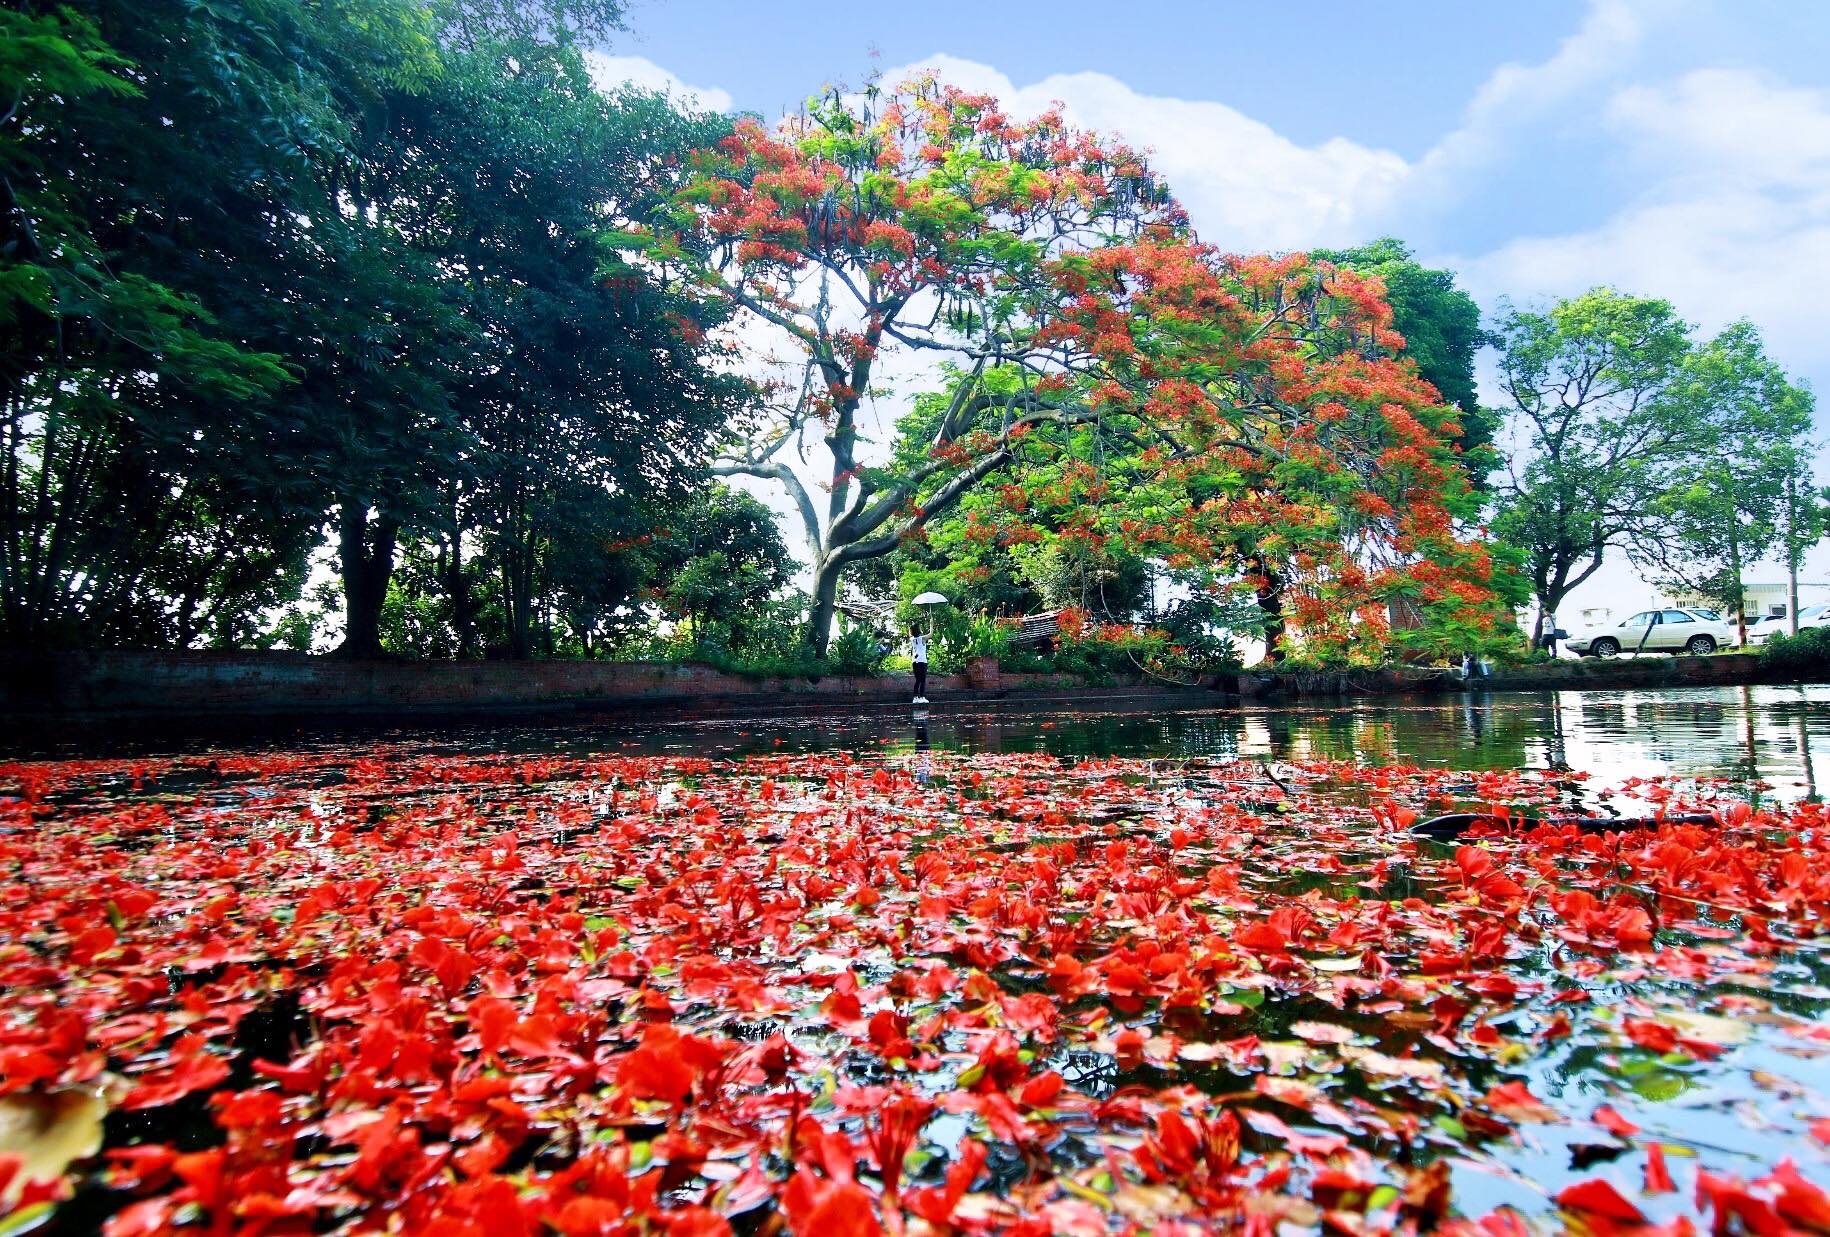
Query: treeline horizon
{"points": [[414, 298]]}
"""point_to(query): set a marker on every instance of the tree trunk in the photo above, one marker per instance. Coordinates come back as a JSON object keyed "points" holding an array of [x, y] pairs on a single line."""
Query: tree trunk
{"points": [[1551, 591], [456, 581], [1271, 605], [520, 621], [518, 593], [367, 552], [1792, 556], [1734, 575], [825, 604]]}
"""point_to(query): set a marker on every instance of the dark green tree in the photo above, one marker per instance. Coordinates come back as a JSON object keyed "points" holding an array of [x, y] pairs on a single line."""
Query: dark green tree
{"points": [[720, 557], [266, 265], [582, 400], [147, 155]]}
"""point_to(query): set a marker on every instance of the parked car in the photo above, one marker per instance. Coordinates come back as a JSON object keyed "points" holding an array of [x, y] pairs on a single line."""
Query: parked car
{"points": [[1688, 630], [1810, 616], [1762, 626]]}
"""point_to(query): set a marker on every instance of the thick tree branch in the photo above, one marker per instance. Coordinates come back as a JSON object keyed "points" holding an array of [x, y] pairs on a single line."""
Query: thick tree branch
{"points": [[778, 471]]}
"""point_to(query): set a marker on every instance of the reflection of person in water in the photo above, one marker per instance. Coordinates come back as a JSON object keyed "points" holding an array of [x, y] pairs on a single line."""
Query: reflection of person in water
{"points": [[924, 766]]}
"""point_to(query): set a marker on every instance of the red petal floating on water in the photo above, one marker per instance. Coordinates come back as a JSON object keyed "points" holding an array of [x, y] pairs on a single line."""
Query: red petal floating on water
{"points": [[1601, 1198]]}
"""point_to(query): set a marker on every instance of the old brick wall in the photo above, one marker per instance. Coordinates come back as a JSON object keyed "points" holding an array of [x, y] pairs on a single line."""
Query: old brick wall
{"points": [[109, 684]]}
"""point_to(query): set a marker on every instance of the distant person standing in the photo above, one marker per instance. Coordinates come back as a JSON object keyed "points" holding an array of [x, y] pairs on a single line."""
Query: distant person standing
{"points": [[918, 653], [1551, 635]]}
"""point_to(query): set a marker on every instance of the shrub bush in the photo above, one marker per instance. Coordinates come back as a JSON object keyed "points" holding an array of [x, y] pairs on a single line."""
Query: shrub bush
{"points": [[858, 650], [1806, 653]]}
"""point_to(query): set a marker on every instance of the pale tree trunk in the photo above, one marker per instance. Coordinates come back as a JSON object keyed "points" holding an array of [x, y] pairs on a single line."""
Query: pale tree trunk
{"points": [[1734, 573], [1792, 556]]}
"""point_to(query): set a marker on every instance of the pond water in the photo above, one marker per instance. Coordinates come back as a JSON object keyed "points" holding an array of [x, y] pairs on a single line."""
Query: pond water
{"points": [[1771, 735], [1182, 967], [1771, 738]]}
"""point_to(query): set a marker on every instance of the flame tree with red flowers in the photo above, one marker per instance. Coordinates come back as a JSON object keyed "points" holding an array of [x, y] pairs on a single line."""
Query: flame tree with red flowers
{"points": [[1257, 405]]}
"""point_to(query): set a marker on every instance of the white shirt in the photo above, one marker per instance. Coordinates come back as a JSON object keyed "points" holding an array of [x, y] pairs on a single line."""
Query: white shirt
{"points": [[918, 648]]}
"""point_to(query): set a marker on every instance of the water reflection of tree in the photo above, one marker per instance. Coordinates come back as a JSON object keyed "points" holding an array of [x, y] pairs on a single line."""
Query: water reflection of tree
{"points": [[1473, 732], [1751, 769], [1801, 725]]}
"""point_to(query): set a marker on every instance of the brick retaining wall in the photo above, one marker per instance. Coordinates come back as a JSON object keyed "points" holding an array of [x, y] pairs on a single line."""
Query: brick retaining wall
{"points": [[268, 684], [103, 686]]}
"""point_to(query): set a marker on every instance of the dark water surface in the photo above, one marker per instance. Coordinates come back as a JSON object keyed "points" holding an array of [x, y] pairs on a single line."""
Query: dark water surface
{"points": [[1773, 737]]}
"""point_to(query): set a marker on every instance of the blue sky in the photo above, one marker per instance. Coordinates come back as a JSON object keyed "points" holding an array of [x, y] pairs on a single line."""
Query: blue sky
{"points": [[1678, 148]]}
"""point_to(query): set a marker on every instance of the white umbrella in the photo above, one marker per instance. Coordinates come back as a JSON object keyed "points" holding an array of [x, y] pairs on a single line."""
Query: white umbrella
{"points": [[930, 599]]}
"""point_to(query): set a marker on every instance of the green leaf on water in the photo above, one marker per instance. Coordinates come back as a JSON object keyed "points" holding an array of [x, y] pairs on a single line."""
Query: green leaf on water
{"points": [[1660, 1086], [1452, 1126]]}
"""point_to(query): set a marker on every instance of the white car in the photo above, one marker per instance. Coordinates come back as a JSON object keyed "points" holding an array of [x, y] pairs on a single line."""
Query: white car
{"points": [[1676, 630], [1762, 626], [1810, 616]]}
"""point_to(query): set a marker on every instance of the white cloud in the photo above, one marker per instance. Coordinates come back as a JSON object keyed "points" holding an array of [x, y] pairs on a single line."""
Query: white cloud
{"points": [[1246, 186], [1513, 98], [1732, 220], [1729, 124], [609, 72]]}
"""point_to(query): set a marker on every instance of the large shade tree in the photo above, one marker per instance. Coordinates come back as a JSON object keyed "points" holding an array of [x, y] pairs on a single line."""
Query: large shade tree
{"points": [[579, 402], [921, 221], [1602, 414], [267, 267], [1738, 501], [1271, 436], [156, 166]]}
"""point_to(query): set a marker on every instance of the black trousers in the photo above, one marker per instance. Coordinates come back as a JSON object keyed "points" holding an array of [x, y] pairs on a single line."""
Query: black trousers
{"points": [[921, 678]]}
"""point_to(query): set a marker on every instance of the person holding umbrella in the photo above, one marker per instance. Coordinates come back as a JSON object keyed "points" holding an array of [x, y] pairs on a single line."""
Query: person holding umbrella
{"points": [[918, 645], [918, 654]]}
